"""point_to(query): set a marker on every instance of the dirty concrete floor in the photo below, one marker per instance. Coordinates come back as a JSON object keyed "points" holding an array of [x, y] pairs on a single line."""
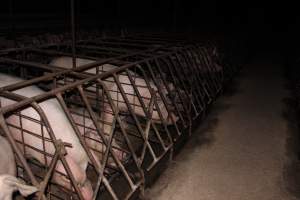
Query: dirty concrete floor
{"points": [[240, 151]]}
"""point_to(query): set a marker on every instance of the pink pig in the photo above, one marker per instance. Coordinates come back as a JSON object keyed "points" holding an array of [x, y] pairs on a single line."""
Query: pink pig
{"points": [[76, 157], [66, 62]]}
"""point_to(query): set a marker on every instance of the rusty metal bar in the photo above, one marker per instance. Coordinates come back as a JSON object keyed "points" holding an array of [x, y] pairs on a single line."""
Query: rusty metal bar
{"points": [[73, 33], [83, 67], [148, 112], [155, 102], [176, 82], [151, 63], [169, 92], [140, 129], [16, 149]]}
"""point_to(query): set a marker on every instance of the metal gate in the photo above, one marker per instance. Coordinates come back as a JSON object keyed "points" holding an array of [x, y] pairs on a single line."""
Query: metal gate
{"points": [[127, 109]]}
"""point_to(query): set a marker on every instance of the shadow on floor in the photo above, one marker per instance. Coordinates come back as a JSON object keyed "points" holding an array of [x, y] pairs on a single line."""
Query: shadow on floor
{"points": [[233, 86], [202, 137], [291, 172]]}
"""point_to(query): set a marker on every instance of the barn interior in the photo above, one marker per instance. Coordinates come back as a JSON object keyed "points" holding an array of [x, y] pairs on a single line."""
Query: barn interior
{"points": [[149, 100]]}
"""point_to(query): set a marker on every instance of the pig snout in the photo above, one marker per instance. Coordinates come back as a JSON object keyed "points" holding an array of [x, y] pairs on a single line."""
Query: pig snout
{"points": [[79, 175], [87, 190]]}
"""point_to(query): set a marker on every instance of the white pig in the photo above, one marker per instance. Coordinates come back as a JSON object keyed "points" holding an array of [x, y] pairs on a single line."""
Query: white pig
{"points": [[76, 156], [66, 62], [8, 181], [93, 140]]}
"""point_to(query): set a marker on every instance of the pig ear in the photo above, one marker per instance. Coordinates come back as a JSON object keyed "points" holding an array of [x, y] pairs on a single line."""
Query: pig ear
{"points": [[18, 185]]}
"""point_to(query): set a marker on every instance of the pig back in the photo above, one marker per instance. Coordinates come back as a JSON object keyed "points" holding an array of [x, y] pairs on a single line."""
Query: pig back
{"points": [[59, 122]]}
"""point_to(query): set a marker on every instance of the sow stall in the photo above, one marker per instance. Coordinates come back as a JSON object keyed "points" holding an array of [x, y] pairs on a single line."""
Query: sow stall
{"points": [[128, 108]]}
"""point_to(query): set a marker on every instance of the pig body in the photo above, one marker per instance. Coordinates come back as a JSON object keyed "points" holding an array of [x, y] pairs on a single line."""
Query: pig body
{"points": [[92, 139], [76, 156], [66, 62], [8, 182]]}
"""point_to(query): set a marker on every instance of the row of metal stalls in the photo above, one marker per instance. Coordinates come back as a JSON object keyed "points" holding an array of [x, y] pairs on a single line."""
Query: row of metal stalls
{"points": [[130, 101]]}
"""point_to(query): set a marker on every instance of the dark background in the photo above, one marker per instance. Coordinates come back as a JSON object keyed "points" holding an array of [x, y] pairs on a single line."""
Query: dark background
{"points": [[260, 22]]}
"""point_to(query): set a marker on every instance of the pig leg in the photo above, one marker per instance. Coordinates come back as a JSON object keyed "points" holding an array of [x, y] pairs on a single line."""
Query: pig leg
{"points": [[10, 184]]}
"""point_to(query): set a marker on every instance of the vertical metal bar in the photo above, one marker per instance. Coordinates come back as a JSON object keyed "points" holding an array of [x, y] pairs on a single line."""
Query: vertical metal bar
{"points": [[118, 13], [116, 113], [183, 83], [174, 17], [177, 82], [187, 79], [148, 124], [75, 128], [49, 174], [130, 109], [200, 83], [73, 33], [162, 97], [16, 149], [210, 80], [214, 79], [20, 156], [59, 145], [148, 113], [11, 19], [194, 87], [172, 99], [106, 142]]}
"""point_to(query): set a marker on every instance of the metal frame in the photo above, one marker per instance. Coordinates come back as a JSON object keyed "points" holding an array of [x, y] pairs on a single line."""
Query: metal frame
{"points": [[178, 76], [191, 69]]}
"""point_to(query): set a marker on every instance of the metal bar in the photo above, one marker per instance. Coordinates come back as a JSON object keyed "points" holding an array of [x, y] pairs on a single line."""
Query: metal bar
{"points": [[188, 80], [169, 92], [59, 145], [156, 104], [111, 49], [176, 60], [183, 83], [134, 117], [64, 88], [194, 78], [59, 53], [73, 33], [201, 83], [16, 149], [49, 174], [107, 143], [148, 112], [177, 83]]}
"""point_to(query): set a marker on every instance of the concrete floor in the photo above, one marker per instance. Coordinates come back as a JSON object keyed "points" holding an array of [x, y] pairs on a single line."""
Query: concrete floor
{"points": [[241, 150]]}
